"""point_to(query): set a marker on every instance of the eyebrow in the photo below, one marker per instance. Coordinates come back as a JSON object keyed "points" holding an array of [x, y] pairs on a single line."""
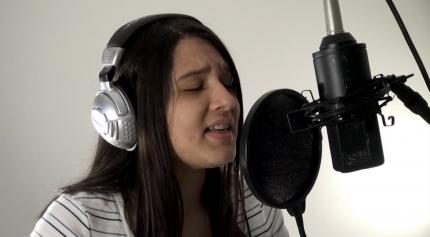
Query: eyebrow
{"points": [[191, 73]]}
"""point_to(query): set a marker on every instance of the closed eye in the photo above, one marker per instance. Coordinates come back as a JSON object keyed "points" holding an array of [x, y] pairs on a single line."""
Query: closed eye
{"points": [[194, 83], [229, 83], [194, 88], [227, 79]]}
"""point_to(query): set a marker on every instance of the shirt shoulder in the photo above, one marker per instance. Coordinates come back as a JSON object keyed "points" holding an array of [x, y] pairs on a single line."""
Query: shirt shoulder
{"points": [[263, 220], [81, 214]]}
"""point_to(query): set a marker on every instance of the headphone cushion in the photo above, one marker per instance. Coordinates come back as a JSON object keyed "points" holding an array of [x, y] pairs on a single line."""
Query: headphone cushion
{"points": [[114, 118]]}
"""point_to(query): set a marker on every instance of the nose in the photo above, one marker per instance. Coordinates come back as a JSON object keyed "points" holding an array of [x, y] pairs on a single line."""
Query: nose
{"points": [[223, 98]]}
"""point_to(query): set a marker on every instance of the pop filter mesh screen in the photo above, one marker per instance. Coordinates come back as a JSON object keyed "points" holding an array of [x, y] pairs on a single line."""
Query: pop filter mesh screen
{"points": [[281, 166]]}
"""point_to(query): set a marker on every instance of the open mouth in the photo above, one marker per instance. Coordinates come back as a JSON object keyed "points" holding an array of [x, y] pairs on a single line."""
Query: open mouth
{"points": [[219, 128]]}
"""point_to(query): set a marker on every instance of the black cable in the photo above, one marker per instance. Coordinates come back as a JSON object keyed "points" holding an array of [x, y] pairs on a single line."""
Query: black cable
{"points": [[409, 42], [297, 211], [412, 100], [300, 225]]}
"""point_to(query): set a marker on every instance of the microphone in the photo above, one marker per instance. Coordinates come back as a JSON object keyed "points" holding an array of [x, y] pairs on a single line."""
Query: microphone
{"points": [[342, 68]]}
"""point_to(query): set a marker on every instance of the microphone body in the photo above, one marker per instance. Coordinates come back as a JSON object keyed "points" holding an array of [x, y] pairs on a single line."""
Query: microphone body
{"points": [[341, 67]]}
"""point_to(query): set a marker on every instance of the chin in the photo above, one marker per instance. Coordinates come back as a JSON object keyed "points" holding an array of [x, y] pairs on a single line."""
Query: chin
{"points": [[221, 160]]}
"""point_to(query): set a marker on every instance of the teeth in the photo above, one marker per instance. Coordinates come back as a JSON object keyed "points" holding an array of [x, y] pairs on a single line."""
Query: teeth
{"points": [[219, 127]]}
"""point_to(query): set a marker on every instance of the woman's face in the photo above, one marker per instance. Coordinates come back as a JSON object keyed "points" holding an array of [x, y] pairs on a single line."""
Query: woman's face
{"points": [[203, 112]]}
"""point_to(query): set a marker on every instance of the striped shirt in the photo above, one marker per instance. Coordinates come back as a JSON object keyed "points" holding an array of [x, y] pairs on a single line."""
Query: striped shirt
{"points": [[97, 215]]}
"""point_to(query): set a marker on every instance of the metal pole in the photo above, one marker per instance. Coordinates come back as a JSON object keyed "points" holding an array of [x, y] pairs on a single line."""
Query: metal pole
{"points": [[333, 18]]}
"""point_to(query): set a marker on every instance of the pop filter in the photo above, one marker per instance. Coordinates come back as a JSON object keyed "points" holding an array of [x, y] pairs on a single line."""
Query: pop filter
{"points": [[280, 167]]}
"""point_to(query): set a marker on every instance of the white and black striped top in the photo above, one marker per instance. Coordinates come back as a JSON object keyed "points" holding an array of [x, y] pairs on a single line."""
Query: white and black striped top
{"points": [[96, 215]]}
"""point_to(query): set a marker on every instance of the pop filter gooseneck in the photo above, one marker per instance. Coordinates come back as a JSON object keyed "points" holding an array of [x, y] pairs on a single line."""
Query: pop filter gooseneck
{"points": [[280, 167]]}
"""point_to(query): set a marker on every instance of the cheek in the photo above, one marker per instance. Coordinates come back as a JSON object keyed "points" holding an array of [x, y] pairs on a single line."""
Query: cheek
{"points": [[186, 126]]}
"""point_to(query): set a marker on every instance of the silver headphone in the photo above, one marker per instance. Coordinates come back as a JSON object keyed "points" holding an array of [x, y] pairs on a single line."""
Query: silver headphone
{"points": [[112, 114]]}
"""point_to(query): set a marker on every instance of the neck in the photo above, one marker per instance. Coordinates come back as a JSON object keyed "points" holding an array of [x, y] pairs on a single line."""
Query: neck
{"points": [[196, 218], [191, 183]]}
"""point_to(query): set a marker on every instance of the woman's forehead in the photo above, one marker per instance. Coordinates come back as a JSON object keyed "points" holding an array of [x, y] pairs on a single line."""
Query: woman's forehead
{"points": [[196, 54]]}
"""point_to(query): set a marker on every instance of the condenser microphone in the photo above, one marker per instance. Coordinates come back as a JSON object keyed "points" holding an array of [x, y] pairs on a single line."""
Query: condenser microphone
{"points": [[342, 68]]}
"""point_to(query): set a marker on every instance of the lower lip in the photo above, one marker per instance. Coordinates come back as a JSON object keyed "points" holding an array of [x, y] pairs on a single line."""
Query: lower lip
{"points": [[220, 136]]}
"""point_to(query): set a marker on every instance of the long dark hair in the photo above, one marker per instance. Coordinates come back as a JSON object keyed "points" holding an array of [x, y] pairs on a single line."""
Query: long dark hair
{"points": [[145, 177]]}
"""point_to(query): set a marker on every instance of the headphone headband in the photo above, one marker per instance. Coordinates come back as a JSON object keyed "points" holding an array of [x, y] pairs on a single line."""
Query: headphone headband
{"points": [[121, 36], [114, 50]]}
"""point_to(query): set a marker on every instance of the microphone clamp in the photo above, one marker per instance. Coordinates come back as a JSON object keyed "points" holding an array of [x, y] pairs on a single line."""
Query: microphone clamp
{"points": [[320, 113]]}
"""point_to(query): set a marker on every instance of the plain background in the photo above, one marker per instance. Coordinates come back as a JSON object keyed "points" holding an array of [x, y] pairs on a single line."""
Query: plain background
{"points": [[50, 59]]}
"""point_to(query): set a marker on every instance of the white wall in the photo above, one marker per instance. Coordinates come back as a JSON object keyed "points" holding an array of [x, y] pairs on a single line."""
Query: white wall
{"points": [[50, 59]]}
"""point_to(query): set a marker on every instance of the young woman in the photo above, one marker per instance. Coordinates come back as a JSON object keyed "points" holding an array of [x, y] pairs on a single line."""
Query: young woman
{"points": [[182, 178]]}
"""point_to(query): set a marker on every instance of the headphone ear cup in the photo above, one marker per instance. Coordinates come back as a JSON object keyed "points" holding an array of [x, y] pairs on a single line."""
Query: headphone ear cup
{"points": [[112, 114], [113, 117]]}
